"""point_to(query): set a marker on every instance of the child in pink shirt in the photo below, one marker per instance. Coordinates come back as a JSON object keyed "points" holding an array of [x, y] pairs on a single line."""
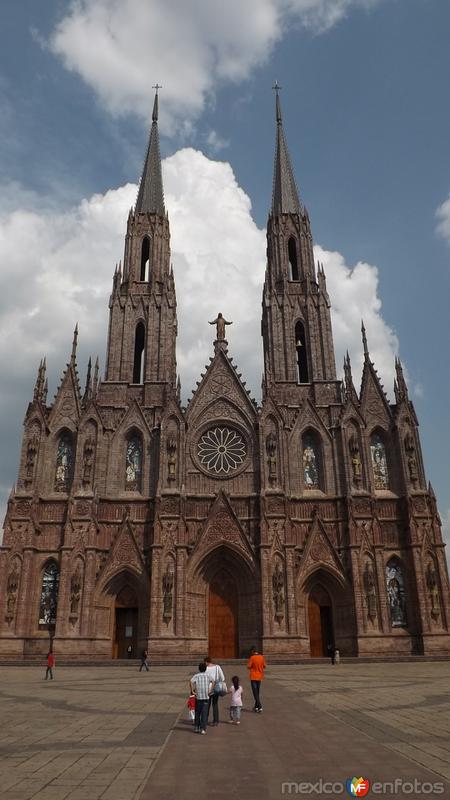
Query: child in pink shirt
{"points": [[236, 700]]}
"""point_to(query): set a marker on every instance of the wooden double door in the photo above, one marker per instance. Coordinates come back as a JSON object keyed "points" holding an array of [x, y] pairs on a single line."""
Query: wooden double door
{"points": [[223, 635], [126, 625], [320, 619]]}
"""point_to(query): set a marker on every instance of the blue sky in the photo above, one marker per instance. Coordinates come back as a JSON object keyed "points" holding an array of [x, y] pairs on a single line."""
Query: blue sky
{"points": [[367, 117]]}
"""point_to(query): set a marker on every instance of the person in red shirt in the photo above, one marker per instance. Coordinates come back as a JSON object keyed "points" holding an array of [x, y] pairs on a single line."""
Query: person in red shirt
{"points": [[256, 664], [50, 665]]}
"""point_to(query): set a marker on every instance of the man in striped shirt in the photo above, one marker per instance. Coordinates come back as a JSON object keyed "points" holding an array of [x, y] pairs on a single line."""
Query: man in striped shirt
{"points": [[201, 685]]}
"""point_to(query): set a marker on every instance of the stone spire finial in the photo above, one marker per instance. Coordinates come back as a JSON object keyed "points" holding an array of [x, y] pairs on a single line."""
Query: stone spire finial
{"points": [[95, 382], [401, 389], [285, 198], [40, 381], [74, 345], [364, 339], [88, 387], [150, 197]]}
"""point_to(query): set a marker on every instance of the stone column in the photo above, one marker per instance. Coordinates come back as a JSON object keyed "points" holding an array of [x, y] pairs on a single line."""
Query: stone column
{"points": [[87, 621], [291, 608], [180, 588], [382, 596], [155, 592], [63, 607], [361, 619], [27, 616]]}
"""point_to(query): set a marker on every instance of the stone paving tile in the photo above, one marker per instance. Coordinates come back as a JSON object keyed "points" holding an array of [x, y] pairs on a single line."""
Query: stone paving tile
{"points": [[88, 731], [96, 732]]}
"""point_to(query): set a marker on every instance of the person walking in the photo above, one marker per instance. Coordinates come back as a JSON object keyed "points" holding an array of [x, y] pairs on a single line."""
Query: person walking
{"points": [[144, 661], [50, 665], [236, 700], [256, 664], [201, 686], [217, 677]]}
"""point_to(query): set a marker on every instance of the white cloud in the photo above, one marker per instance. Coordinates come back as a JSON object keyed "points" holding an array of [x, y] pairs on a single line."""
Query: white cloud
{"points": [[215, 142], [443, 215], [121, 47], [354, 297], [57, 270]]}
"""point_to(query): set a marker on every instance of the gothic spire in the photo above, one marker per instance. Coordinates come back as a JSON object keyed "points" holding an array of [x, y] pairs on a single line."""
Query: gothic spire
{"points": [[400, 388], [150, 197], [74, 345], [285, 199], [364, 339], [39, 388], [88, 388]]}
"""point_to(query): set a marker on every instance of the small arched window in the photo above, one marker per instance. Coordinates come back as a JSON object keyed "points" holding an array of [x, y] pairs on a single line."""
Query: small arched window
{"points": [[139, 343], [379, 462], [49, 595], [133, 467], [64, 463], [145, 259], [395, 587], [311, 461], [301, 354], [292, 259]]}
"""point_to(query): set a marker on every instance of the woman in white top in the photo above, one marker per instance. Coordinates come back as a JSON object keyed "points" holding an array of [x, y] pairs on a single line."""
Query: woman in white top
{"points": [[215, 673]]}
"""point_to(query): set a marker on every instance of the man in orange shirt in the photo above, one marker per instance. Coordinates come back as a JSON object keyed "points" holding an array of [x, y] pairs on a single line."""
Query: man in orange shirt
{"points": [[256, 665]]}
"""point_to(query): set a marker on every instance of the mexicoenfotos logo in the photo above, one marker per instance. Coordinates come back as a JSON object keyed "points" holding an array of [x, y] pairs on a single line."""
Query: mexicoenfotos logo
{"points": [[357, 787]]}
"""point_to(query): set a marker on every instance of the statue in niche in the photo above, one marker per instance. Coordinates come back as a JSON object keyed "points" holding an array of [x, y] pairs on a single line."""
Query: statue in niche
{"points": [[433, 591], [220, 323], [411, 459], [356, 459], [11, 594], [278, 592], [75, 593], [32, 449], [370, 591], [167, 589], [171, 459], [379, 462], [88, 460], [271, 448], [64, 463]]}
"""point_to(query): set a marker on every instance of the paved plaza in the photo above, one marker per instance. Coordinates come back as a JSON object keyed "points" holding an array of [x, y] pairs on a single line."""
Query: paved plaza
{"points": [[103, 732]]}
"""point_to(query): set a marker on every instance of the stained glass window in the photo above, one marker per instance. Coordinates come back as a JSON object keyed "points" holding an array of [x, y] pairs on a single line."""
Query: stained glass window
{"points": [[133, 470], [311, 463], [49, 595], [395, 586], [379, 462], [64, 463]]}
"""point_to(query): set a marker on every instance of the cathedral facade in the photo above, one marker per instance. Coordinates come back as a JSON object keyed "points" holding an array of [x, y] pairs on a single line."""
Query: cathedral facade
{"points": [[299, 525]]}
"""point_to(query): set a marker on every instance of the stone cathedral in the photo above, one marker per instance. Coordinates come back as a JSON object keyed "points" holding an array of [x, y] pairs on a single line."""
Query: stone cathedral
{"points": [[298, 525]]}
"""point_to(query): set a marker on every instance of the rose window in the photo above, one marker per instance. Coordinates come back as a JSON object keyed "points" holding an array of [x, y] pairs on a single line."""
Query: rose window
{"points": [[221, 450]]}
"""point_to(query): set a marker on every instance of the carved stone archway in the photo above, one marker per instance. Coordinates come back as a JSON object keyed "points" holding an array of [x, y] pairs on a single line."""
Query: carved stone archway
{"points": [[325, 602], [122, 612], [224, 583]]}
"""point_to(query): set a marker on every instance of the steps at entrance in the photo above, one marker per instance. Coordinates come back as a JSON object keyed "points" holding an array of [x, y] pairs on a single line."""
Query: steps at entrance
{"points": [[61, 661]]}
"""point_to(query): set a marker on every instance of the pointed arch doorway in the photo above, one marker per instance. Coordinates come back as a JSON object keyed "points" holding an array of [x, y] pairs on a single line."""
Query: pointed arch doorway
{"points": [[320, 619], [223, 634], [126, 624]]}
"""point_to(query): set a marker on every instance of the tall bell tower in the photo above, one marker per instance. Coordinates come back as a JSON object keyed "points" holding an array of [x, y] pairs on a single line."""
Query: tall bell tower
{"points": [[296, 324], [143, 324]]}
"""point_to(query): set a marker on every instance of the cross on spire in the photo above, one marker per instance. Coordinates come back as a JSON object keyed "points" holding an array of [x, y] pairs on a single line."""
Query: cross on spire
{"points": [[285, 199], [150, 197]]}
